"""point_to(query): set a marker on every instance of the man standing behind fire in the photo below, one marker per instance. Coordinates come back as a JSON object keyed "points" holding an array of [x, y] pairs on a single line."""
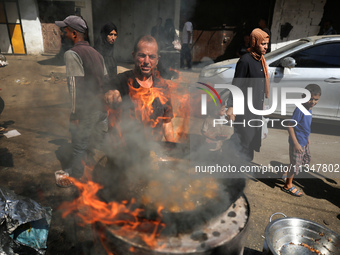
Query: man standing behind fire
{"points": [[145, 78], [251, 71], [85, 71], [186, 44]]}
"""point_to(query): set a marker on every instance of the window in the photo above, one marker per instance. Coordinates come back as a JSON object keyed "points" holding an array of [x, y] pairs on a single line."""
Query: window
{"points": [[325, 55], [12, 39]]}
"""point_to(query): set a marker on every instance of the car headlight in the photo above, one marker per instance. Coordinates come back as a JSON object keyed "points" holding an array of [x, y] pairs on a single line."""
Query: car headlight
{"points": [[213, 71]]}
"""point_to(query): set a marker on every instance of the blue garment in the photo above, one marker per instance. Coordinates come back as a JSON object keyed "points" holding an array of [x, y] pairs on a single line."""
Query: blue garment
{"points": [[330, 31], [303, 128]]}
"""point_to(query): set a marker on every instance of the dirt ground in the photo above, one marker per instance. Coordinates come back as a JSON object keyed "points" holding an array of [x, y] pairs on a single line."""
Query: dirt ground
{"points": [[37, 105]]}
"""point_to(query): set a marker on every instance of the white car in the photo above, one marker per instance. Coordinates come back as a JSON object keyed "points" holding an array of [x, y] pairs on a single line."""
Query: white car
{"points": [[309, 60]]}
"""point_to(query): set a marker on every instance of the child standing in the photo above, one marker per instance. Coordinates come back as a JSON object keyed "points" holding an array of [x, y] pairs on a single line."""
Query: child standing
{"points": [[299, 153]]}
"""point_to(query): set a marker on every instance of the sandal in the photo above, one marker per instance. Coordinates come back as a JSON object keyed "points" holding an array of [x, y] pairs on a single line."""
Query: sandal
{"points": [[297, 193]]}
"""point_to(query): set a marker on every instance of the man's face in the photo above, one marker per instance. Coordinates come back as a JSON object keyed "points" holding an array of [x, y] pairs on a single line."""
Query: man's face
{"points": [[146, 58], [111, 37], [68, 34], [262, 48]]}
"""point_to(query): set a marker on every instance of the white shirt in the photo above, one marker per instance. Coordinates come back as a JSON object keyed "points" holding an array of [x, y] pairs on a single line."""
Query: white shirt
{"points": [[187, 28]]}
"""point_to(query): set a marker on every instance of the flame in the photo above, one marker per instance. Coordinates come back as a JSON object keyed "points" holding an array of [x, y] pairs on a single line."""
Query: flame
{"points": [[181, 105], [127, 220], [114, 117], [144, 99], [90, 209]]}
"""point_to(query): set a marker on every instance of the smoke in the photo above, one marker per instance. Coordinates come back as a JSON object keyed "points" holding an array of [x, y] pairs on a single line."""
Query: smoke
{"points": [[134, 157], [160, 174]]}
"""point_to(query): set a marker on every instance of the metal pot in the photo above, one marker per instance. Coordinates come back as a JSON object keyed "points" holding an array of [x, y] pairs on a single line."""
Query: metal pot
{"points": [[299, 236], [223, 234], [188, 220], [170, 163]]}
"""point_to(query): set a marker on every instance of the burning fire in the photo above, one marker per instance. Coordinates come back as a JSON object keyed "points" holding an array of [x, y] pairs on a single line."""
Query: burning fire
{"points": [[129, 222], [144, 98], [144, 102], [181, 106]]}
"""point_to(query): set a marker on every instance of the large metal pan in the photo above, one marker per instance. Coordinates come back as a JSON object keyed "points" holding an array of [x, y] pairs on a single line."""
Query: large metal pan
{"points": [[118, 186], [295, 236]]}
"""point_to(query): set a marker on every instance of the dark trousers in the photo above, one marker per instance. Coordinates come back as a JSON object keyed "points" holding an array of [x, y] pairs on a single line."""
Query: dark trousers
{"points": [[89, 132], [185, 54]]}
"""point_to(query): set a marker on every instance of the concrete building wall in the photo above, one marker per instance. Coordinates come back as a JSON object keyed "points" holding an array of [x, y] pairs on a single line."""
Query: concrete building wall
{"points": [[86, 12], [303, 15], [31, 26], [133, 19]]}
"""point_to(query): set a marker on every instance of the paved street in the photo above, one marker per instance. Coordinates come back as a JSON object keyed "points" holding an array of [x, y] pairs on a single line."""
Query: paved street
{"points": [[36, 97]]}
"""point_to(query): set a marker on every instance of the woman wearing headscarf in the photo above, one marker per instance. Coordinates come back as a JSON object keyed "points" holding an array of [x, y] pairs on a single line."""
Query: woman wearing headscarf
{"points": [[251, 65], [105, 44]]}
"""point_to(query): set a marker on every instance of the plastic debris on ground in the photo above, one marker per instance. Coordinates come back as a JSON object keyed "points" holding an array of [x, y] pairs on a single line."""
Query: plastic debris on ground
{"points": [[12, 133], [24, 225], [3, 61]]}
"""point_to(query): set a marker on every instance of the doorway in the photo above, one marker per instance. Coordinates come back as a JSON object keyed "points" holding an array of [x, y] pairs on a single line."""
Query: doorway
{"points": [[331, 13]]}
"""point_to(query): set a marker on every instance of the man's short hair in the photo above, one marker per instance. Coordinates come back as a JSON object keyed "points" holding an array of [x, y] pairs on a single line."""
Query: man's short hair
{"points": [[144, 38], [314, 89]]}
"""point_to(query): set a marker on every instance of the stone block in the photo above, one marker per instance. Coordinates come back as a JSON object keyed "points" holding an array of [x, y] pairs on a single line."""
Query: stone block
{"points": [[315, 17], [319, 5], [291, 5], [315, 14], [315, 22], [306, 5], [279, 4], [302, 20], [288, 16]]}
